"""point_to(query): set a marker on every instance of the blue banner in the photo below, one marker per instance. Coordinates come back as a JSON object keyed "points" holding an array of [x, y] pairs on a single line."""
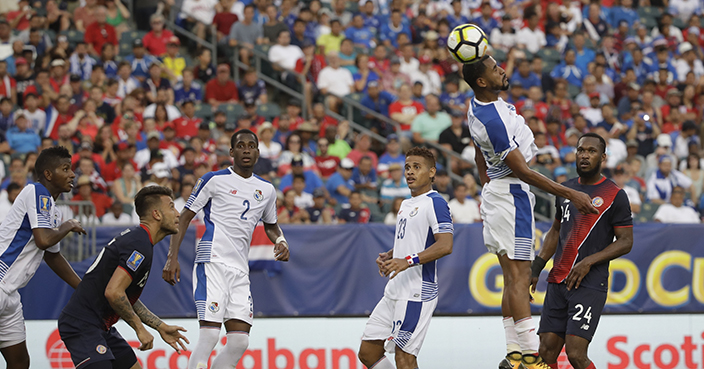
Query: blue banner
{"points": [[332, 273]]}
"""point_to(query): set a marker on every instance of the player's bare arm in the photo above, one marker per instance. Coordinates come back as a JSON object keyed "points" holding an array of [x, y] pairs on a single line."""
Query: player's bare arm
{"points": [[281, 251], [115, 294], [620, 247], [62, 268], [441, 247], [171, 334], [47, 237], [517, 163], [172, 270], [383, 257], [546, 252], [481, 165]]}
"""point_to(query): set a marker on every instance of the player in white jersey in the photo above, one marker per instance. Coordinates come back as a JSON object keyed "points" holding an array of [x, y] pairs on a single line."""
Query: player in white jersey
{"points": [[233, 201], [33, 226], [504, 144], [423, 235]]}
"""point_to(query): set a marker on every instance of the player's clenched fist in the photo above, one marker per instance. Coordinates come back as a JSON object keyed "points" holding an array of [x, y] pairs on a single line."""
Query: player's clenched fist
{"points": [[172, 271], [281, 252], [146, 339], [383, 257], [394, 266], [74, 226]]}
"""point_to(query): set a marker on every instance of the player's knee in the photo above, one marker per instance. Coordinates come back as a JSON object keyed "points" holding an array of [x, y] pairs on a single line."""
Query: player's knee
{"points": [[237, 342], [549, 354], [367, 357], [405, 361], [577, 356]]}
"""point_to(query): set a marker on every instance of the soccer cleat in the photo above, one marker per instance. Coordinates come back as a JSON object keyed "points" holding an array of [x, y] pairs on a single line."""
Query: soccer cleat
{"points": [[512, 361], [534, 362]]}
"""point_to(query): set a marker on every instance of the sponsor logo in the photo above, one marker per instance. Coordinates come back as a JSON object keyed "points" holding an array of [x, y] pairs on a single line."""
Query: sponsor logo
{"points": [[584, 327], [135, 260], [214, 307], [44, 204], [597, 201], [233, 192], [101, 349], [413, 213], [258, 195], [143, 281]]}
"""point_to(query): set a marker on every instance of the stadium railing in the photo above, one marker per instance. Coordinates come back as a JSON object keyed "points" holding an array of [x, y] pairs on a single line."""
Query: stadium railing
{"points": [[77, 247]]}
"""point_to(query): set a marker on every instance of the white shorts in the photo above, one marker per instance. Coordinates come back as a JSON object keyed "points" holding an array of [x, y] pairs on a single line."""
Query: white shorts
{"points": [[221, 293], [11, 320], [507, 212], [400, 323]]}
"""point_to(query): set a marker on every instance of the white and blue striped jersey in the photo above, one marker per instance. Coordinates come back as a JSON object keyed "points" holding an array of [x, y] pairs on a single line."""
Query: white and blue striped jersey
{"points": [[19, 255], [497, 129], [419, 219], [232, 206]]}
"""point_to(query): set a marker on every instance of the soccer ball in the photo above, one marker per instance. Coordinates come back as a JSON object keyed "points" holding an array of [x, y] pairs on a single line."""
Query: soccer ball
{"points": [[467, 43]]}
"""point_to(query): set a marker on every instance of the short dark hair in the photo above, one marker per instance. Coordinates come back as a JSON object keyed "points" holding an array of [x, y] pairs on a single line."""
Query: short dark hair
{"points": [[424, 153], [243, 132], [355, 192], [472, 71], [13, 187], [148, 197], [299, 176], [602, 142], [50, 159]]}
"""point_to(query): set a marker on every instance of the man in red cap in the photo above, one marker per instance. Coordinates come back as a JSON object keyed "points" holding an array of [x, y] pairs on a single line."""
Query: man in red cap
{"points": [[99, 32], [221, 90], [174, 64]]}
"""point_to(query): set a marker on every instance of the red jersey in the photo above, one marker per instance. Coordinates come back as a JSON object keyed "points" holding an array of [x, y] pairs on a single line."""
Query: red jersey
{"points": [[327, 165], [112, 171], [101, 201], [327, 122], [381, 65], [99, 35], [222, 93], [316, 66], [7, 83], [61, 119], [186, 127], [156, 45], [223, 21], [412, 107]]}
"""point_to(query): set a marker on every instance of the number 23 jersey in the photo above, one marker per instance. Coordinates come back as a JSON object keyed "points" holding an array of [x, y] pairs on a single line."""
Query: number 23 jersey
{"points": [[232, 206], [419, 219]]}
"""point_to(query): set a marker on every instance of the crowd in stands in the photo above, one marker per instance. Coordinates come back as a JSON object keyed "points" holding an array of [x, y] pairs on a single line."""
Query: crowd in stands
{"points": [[151, 110]]}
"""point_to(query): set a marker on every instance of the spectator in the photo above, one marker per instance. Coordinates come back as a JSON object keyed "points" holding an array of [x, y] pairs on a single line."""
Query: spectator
{"points": [[139, 61], [188, 89], [531, 37], [485, 20], [103, 109], [126, 186], [85, 15], [361, 149], [568, 71], [464, 209], [395, 186], [146, 157], [503, 37], [675, 211], [221, 90], [160, 175], [358, 34], [378, 101], [392, 216], [392, 154], [299, 37], [303, 199], [664, 180], [271, 29], [443, 185], [155, 41], [21, 138], [187, 125], [348, 55], [163, 97], [267, 148], [283, 57], [364, 74], [8, 85], [355, 213], [289, 213], [334, 81], [7, 198], [6, 115], [340, 12], [428, 125], [174, 64], [292, 150], [389, 31], [116, 216], [205, 70], [333, 40], [199, 15], [364, 177], [326, 163], [404, 110], [246, 34], [688, 62], [340, 184], [117, 16], [320, 212], [155, 83], [663, 147], [394, 78], [99, 32], [251, 89], [427, 76], [337, 146], [621, 177], [35, 116], [101, 201]]}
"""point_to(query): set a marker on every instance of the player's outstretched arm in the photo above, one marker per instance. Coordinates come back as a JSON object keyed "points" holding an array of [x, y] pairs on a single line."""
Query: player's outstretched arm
{"points": [[441, 247], [171, 334], [115, 294], [47, 237], [276, 235], [546, 252], [62, 268], [172, 270], [620, 247], [517, 163]]}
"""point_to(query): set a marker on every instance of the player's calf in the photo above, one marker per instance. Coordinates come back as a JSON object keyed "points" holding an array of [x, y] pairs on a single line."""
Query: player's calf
{"points": [[371, 352], [230, 355], [577, 357], [405, 360]]}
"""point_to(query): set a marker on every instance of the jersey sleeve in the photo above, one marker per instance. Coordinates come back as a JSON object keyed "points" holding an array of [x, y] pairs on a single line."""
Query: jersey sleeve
{"points": [[201, 193], [558, 209], [621, 216], [131, 257], [496, 132], [269, 216], [38, 204], [440, 219]]}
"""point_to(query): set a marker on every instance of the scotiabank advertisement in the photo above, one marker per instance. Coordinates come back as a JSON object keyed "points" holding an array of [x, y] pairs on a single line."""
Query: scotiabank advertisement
{"points": [[621, 342]]}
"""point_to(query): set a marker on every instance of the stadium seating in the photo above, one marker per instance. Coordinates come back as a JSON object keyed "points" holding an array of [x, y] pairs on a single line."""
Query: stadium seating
{"points": [[204, 111], [647, 210], [74, 37], [269, 110], [233, 111]]}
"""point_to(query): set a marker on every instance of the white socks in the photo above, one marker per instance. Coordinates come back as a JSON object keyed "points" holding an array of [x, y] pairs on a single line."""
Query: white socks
{"points": [[230, 355], [527, 337], [207, 339], [383, 363], [511, 336]]}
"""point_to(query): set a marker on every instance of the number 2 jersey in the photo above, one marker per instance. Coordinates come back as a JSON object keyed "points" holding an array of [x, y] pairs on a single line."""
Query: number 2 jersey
{"points": [[131, 251], [232, 206], [419, 219], [584, 235]]}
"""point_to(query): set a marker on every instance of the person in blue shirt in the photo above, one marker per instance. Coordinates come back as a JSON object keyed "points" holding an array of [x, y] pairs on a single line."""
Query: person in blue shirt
{"points": [[456, 18], [188, 89], [371, 21], [377, 100], [139, 60], [452, 98], [340, 184], [359, 34], [364, 177], [526, 77], [662, 60], [485, 21], [640, 65], [299, 36], [393, 154], [625, 12], [312, 25], [583, 55], [568, 71], [364, 74], [313, 181], [390, 30], [21, 138]]}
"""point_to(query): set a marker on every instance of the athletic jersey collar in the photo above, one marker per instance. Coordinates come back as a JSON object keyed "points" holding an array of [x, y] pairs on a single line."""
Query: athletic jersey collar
{"points": [[243, 178], [579, 180], [423, 194], [474, 99], [148, 233]]}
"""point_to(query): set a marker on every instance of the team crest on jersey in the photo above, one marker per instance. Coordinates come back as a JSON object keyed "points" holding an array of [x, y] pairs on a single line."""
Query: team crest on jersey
{"points": [[414, 212], [258, 195], [101, 349], [597, 201], [44, 204], [135, 260], [214, 307], [198, 184]]}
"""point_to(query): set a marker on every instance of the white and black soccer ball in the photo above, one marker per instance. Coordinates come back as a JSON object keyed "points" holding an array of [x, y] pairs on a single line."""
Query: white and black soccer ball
{"points": [[467, 43]]}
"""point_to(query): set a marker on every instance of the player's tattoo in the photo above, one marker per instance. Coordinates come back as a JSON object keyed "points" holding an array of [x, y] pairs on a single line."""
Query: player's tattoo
{"points": [[146, 316], [123, 308]]}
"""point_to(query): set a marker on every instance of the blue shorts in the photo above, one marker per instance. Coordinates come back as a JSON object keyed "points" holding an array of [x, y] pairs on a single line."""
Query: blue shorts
{"points": [[574, 312], [89, 344]]}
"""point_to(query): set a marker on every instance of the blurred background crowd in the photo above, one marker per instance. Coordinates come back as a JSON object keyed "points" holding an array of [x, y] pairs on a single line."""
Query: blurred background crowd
{"points": [[138, 105]]}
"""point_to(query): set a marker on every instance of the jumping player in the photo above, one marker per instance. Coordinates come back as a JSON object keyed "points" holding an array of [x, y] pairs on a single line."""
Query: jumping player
{"points": [[424, 230], [33, 226], [504, 145], [233, 201], [583, 245], [111, 288]]}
